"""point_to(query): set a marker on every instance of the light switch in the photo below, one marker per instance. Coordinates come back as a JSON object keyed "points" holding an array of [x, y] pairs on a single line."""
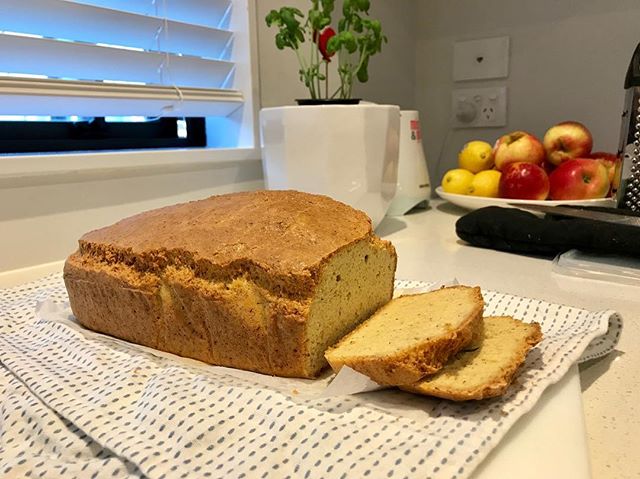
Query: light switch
{"points": [[481, 59]]}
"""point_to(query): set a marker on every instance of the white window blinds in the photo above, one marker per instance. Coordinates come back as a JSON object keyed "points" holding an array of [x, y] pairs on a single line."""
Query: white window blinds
{"points": [[121, 57]]}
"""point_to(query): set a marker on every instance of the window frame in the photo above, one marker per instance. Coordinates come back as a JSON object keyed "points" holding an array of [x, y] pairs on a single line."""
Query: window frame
{"points": [[28, 169]]}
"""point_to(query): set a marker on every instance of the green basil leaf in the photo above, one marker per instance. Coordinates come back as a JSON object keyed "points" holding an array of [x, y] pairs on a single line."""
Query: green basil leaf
{"points": [[363, 74]]}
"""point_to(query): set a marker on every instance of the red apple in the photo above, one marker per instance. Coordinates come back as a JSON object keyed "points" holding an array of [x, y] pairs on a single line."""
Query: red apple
{"points": [[566, 141], [579, 179], [610, 162], [518, 146], [524, 181]]}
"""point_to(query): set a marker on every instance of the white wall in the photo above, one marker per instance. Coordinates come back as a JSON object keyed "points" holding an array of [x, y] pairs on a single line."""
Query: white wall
{"points": [[42, 220], [568, 60], [392, 72], [279, 84]]}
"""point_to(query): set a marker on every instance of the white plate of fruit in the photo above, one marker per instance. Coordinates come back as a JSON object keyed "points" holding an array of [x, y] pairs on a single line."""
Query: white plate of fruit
{"points": [[519, 168]]}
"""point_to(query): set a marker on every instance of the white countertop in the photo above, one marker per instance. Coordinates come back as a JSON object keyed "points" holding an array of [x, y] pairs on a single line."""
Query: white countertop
{"points": [[429, 250]]}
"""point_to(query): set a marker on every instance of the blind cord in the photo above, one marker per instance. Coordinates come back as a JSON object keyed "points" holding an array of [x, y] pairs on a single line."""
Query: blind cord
{"points": [[165, 66]]}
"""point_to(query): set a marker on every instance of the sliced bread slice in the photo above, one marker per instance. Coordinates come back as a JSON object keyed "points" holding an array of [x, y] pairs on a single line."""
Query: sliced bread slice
{"points": [[411, 336], [488, 370]]}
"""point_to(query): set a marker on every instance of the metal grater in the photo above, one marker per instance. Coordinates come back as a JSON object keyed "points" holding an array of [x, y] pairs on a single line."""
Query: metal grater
{"points": [[628, 194]]}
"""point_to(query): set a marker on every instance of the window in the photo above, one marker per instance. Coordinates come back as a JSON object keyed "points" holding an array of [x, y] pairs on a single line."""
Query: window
{"points": [[35, 134], [113, 74]]}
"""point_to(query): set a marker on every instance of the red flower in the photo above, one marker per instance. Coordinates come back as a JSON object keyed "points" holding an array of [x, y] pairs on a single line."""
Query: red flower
{"points": [[323, 40]]}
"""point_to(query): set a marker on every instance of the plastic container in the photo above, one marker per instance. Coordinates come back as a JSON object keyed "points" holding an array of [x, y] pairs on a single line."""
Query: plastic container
{"points": [[611, 268]]}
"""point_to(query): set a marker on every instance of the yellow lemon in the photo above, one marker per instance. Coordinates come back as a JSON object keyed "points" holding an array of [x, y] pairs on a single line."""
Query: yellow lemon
{"points": [[476, 156], [485, 183], [457, 181]]}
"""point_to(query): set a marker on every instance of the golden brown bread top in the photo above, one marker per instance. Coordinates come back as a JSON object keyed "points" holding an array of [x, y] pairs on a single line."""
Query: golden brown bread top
{"points": [[284, 232]]}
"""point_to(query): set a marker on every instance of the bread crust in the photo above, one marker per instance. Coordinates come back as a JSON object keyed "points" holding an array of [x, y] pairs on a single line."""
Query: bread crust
{"points": [[426, 357], [227, 280], [280, 239]]}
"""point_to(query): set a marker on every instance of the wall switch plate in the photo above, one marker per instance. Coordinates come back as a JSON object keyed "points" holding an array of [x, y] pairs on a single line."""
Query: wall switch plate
{"points": [[479, 107], [481, 59]]}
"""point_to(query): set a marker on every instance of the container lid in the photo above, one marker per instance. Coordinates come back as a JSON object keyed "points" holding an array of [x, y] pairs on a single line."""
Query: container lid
{"points": [[610, 268]]}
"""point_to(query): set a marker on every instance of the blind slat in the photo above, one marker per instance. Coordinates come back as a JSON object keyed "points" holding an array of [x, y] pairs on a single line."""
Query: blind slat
{"points": [[210, 13], [25, 96], [87, 23], [92, 62]]}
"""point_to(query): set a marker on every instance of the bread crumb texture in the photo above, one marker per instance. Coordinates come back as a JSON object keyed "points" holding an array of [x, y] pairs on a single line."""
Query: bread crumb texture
{"points": [[263, 281], [488, 369], [411, 336]]}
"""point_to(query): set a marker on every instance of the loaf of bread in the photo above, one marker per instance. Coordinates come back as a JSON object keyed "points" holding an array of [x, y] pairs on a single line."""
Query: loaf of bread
{"points": [[411, 336], [263, 281], [486, 368]]}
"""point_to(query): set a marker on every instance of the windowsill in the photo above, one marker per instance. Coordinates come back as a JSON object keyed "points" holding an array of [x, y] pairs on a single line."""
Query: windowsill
{"points": [[32, 170]]}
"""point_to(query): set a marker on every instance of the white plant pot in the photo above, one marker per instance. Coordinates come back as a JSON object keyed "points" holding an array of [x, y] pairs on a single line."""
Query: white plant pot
{"points": [[347, 152]]}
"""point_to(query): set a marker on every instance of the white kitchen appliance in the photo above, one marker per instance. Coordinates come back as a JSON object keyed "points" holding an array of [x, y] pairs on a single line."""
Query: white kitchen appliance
{"points": [[413, 185]]}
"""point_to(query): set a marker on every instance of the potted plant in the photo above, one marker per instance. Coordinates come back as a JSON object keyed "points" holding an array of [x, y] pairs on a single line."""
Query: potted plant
{"points": [[357, 39], [338, 146]]}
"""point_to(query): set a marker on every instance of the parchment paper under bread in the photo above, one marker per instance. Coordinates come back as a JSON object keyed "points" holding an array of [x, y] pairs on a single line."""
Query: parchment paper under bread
{"points": [[86, 403]]}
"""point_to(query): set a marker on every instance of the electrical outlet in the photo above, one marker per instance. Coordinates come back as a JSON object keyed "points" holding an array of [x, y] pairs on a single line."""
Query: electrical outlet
{"points": [[488, 113], [479, 107]]}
